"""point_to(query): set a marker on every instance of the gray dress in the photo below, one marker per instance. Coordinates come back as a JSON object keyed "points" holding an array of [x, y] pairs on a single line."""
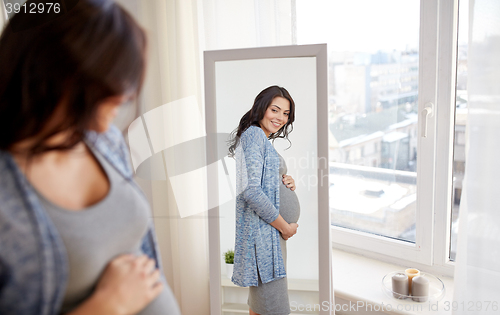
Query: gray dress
{"points": [[272, 298], [95, 235]]}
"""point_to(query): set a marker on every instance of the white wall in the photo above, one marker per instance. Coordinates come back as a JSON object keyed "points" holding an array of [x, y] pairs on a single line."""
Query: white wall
{"points": [[237, 84]]}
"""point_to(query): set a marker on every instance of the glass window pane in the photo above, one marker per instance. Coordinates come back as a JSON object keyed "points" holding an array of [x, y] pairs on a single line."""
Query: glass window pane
{"points": [[460, 121], [373, 103]]}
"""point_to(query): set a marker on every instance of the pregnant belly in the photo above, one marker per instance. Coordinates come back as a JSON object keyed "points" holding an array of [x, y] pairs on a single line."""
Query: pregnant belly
{"points": [[289, 205]]}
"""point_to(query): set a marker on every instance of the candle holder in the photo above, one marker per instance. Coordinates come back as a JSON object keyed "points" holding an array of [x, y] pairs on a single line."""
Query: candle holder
{"points": [[436, 288]]}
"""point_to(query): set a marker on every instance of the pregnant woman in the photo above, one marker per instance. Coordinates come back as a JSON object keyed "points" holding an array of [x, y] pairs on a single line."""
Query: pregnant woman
{"points": [[267, 208], [76, 235]]}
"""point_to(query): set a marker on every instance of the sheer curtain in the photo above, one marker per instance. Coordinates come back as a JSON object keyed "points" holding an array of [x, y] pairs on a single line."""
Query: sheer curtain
{"points": [[178, 33], [173, 73], [477, 271], [3, 16], [231, 24]]}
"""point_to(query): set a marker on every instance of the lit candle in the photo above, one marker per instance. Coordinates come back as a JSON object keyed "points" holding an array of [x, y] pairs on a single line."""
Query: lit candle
{"points": [[400, 285], [411, 273], [420, 289]]}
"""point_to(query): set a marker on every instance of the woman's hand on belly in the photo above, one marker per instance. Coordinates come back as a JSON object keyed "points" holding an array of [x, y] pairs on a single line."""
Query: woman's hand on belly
{"points": [[127, 285], [286, 229], [288, 181], [286, 234]]}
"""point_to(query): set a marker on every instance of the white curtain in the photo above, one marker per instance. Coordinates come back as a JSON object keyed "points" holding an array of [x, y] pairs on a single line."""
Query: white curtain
{"points": [[477, 271], [174, 73], [229, 24], [178, 33]]}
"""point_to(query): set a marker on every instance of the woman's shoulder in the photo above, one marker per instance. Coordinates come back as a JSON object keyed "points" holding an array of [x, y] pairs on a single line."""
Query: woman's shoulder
{"points": [[112, 136], [112, 145], [254, 133]]}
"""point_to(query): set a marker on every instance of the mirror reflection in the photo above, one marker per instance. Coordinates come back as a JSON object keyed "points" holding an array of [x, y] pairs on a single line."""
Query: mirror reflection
{"points": [[237, 85]]}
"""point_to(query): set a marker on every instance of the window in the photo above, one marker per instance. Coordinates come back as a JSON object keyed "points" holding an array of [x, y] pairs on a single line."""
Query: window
{"points": [[383, 74]]}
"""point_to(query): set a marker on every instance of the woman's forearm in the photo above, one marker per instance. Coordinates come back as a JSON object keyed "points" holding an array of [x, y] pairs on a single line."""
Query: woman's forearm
{"points": [[260, 203], [286, 229], [281, 225]]}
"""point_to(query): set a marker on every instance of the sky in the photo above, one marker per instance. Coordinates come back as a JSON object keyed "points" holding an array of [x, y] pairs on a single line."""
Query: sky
{"points": [[359, 25], [363, 25]]}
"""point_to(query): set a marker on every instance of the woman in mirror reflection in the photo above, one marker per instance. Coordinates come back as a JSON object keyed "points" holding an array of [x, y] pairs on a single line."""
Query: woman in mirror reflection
{"points": [[267, 208], [76, 235]]}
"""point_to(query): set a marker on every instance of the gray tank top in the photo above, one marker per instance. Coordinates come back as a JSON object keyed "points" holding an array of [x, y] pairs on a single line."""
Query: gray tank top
{"points": [[289, 203], [95, 235]]}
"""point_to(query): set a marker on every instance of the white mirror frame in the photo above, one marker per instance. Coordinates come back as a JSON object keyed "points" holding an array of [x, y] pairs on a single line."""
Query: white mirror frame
{"points": [[324, 242]]}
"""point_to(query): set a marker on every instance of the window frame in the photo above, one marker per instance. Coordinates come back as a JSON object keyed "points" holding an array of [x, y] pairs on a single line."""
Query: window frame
{"points": [[437, 85]]}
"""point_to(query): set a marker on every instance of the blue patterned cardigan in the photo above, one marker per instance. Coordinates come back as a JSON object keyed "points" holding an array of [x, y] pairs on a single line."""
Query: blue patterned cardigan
{"points": [[257, 244], [33, 263]]}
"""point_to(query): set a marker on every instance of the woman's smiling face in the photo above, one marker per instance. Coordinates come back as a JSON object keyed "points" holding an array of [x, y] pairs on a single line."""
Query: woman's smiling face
{"points": [[276, 115]]}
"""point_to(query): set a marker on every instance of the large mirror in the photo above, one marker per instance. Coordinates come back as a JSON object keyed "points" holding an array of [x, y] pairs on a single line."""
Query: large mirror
{"points": [[232, 80]]}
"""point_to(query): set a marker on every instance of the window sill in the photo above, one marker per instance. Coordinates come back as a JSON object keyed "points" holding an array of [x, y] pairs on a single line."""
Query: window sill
{"points": [[357, 283]]}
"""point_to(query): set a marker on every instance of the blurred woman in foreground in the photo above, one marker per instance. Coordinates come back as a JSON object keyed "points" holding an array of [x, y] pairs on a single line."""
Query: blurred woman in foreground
{"points": [[75, 230]]}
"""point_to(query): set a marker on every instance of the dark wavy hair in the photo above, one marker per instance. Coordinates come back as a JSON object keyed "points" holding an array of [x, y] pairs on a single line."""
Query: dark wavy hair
{"points": [[89, 51], [257, 112]]}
